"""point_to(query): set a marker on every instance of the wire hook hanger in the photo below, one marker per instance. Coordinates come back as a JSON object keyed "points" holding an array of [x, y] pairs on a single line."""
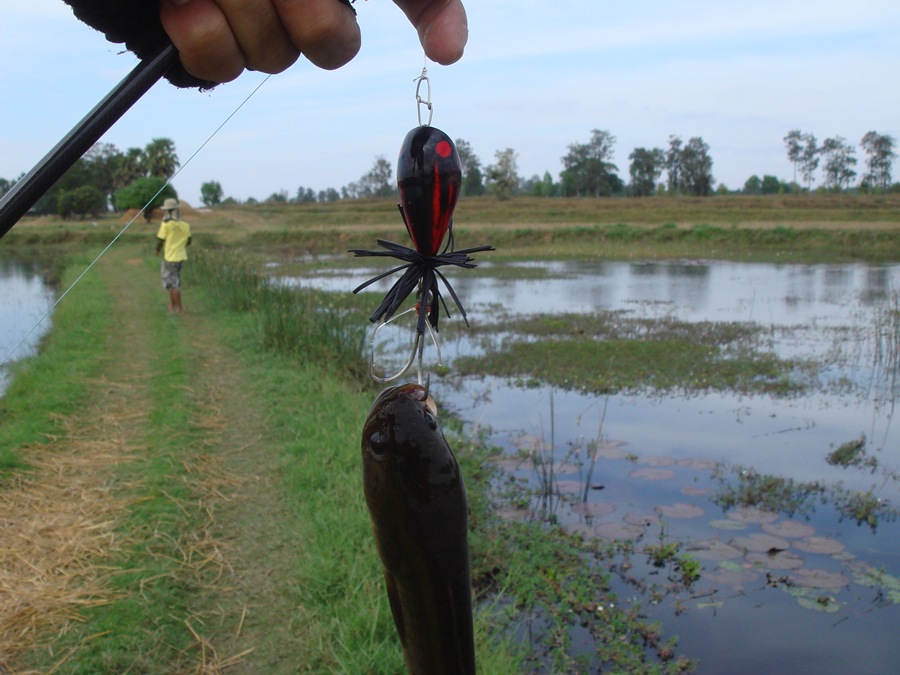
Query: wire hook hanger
{"points": [[426, 102]]}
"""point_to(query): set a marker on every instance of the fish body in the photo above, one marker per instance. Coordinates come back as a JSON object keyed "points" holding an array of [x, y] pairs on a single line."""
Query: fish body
{"points": [[417, 502]]}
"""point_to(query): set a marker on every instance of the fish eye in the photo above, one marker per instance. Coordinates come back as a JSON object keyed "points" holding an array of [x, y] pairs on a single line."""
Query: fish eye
{"points": [[378, 442]]}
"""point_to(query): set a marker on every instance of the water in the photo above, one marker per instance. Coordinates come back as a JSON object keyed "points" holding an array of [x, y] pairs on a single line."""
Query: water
{"points": [[743, 616], [25, 297]]}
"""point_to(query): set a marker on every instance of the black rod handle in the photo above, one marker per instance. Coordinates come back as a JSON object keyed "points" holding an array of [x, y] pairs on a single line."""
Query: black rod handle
{"points": [[23, 195]]}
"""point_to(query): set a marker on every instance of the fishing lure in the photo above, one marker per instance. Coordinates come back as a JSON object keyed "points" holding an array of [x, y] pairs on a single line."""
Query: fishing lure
{"points": [[429, 178]]}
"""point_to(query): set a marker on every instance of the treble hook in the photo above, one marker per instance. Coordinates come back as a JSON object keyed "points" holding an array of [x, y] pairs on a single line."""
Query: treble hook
{"points": [[415, 356]]}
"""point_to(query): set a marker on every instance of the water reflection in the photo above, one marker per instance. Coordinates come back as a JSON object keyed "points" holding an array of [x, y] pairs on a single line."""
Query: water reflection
{"points": [[24, 299], [692, 291]]}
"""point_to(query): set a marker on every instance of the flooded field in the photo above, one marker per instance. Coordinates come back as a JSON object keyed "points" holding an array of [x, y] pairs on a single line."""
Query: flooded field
{"points": [[760, 529]]}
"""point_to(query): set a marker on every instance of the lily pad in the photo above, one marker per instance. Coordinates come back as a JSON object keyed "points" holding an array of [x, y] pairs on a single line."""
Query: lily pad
{"points": [[511, 513], [875, 578], [751, 514], [776, 560], [641, 521], [760, 543], [735, 578], [610, 450], [582, 529], [726, 524], [593, 509], [680, 510], [818, 578], [509, 463], [656, 460], [822, 603], [569, 486], [531, 443], [713, 549], [618, 531], [567, 468], [697, 463], [823, 545], [652, 473], [791, 529]]}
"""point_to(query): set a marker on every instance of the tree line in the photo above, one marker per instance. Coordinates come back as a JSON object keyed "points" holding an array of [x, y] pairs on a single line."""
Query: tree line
{"points": [[107, 177]]}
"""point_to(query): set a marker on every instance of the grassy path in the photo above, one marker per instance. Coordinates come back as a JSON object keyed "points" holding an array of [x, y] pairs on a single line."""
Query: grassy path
{"points": [[151, 532]]}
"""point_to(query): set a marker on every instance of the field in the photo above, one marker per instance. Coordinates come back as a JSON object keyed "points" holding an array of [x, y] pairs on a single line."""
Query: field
{"points": [[184, 492]]}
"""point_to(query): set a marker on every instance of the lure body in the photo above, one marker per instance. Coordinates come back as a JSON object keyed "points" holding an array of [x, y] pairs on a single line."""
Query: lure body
{"points": [[417, 503], [429, 176]]}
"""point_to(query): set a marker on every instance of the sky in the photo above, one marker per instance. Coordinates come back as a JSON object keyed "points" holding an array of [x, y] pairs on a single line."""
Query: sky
{"points": [[536, 77]]}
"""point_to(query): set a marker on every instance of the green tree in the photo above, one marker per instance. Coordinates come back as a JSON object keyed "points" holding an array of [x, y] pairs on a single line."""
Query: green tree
{"points": [[809, 159], [752, 186], [82, 201], [793, 142], [674, 166], [379, 181], [211, 193], [547, 187], [145, 193], [880, 155], [645, 169], [587, 169], [839, 162], [102, 160], [771, 185], [159, 159], [696, 167], [503, 176], [128, 167], [472, 175], [305, 195]]}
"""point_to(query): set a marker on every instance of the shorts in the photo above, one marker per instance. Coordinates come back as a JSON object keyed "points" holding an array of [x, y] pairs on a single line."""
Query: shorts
{"points": [[171, 274]]}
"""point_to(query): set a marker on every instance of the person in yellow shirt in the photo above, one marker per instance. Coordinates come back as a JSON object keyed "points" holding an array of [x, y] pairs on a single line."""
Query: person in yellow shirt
{"points": [[173, 238]]}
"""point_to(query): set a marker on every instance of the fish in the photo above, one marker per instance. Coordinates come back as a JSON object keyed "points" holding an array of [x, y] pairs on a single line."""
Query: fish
{"points": [[416, 498]]}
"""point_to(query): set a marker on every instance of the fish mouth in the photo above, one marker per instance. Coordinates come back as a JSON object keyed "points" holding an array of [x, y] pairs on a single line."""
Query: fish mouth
{"points": [[409, 389]]}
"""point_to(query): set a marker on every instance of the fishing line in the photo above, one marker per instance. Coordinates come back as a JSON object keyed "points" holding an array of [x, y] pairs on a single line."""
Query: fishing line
{"points": [[90, 266]]}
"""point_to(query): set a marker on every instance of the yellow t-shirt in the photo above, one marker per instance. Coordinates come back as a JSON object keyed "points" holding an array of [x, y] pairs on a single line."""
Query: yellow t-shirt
{"points": [[176, 234]]}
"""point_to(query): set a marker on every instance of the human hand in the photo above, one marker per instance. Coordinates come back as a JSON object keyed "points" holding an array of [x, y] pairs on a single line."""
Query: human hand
{"points": [[218, 39]]}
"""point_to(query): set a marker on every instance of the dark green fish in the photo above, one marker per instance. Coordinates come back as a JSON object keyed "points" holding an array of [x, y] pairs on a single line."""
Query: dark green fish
{"points": [[417, 501]]}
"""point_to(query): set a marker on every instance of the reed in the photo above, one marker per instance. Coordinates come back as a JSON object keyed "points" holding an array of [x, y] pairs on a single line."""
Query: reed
{"points": [[296, 322]]}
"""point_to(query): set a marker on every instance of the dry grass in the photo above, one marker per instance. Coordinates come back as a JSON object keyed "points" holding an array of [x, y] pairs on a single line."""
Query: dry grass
{"points": [[57, 534]]}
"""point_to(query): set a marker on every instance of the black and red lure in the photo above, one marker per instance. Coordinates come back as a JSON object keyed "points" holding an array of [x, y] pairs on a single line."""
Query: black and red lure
{"points": [[429, 177]]}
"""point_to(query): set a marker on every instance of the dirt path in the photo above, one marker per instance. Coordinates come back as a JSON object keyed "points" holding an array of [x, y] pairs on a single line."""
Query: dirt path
{"points": [[58, 524]]}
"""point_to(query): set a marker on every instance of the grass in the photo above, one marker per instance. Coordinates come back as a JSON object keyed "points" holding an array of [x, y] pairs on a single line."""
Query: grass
{"points": [[769, 228], [608, 352], [30, 410]]}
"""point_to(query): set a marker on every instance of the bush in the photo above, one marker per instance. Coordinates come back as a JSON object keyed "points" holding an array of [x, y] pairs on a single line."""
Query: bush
{"points": [[146, 194], [82, 201]]}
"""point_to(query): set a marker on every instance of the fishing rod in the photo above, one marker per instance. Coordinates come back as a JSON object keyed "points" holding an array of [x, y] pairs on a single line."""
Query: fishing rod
{"points": [[23, 195]]}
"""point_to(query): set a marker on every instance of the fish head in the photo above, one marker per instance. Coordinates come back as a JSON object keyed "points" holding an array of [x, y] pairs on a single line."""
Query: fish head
{"points": [[406, 458], [402, 420]]}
